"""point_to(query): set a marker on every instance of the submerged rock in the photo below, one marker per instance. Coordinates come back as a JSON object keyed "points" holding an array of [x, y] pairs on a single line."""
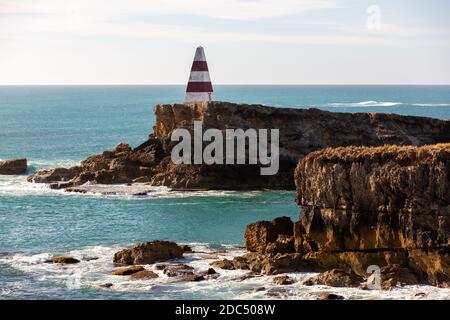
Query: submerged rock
{"points": [[143, 275], [64, 260], [13, 166], [127, 271], [148, 253]]}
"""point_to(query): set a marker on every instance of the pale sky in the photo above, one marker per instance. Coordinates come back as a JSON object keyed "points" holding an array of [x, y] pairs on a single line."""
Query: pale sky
{"points": [[245, 41]]}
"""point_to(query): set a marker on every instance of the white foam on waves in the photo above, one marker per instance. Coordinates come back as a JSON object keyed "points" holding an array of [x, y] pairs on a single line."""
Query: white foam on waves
{"points": [[96, 265], [365, 104]]}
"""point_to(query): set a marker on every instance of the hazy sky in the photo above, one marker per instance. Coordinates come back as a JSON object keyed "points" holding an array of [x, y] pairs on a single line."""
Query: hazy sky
{"points": [[246, 41]]}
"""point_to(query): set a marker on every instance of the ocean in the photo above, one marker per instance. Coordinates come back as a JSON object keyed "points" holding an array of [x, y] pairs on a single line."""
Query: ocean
{"points": [[61, 125]]}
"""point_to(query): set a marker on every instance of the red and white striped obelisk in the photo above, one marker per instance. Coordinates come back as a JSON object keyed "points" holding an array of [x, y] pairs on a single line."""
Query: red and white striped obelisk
{"points": [[199, 88]]}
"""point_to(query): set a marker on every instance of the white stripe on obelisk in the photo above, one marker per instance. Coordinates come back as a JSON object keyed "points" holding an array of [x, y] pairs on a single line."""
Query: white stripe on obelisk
{"points": [[199, 76]]}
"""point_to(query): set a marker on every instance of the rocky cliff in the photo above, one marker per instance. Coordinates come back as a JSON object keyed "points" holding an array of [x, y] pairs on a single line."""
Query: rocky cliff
{"points": [[301, 132], [373, 205], [387, 206]]}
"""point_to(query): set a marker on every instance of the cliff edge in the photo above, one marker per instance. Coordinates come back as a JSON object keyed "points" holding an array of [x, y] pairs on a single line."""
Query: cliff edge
{"points": [[301, 131]]}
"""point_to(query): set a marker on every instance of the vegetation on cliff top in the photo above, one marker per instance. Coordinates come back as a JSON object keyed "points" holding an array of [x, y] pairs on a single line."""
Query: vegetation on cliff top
{"points": [[382, 154]]}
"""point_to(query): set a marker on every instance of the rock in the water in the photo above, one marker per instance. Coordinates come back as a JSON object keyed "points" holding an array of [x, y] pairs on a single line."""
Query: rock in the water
{"points": [[148, 253], [210, 271], [64, 260], [336, 278], [13, 166], [177, 270], [283, 280], [57, 176], [258, 236], [106, 285], [330, 296], [186, 248], [396, 275], [143, 275], [223, 264], [127, 271], [191, 277]]}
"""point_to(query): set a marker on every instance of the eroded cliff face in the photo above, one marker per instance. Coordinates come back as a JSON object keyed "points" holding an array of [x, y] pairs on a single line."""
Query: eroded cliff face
{"points": [[386, 205], [301, 132]]}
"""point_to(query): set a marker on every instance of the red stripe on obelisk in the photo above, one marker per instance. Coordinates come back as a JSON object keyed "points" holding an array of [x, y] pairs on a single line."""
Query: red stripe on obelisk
{"points": [[199, 66], [199, 87]]}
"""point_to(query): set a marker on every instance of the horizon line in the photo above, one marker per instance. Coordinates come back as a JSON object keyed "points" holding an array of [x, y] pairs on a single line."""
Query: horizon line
{"points": [[226, 84]]}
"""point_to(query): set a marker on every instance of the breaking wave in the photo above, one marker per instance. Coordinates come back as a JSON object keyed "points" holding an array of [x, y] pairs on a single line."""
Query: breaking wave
{"points": [[365, 104]]}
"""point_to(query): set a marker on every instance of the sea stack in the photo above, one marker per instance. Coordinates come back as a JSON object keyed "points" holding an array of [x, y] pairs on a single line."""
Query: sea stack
{"points": [[199, 88]]}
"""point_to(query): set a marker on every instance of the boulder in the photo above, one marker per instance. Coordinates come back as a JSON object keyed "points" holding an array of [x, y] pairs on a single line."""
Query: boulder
{"points": [[336, 278], [143, 275], [330, 296], [258, 236], [177, 270], [64, 260], [13, 166], [191, 277], [396, 275], [210, 271], [148, 253], [127, 271], [223, 264], [57, 176], [283, 280]]}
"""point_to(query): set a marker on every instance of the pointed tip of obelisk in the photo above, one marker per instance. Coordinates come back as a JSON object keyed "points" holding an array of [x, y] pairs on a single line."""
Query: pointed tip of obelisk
{"points": [[199, 54]]}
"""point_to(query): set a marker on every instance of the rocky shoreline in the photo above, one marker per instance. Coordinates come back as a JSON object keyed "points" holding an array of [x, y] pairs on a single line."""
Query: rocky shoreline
{"points": [[301, 132], [385, 207], [364, 204]]}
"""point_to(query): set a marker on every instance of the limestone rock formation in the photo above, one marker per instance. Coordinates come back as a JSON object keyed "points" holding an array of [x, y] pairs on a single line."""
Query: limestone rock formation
{"points": [[148, 253], [377, 206], [381, 206], [13, 166], [301, 132]]}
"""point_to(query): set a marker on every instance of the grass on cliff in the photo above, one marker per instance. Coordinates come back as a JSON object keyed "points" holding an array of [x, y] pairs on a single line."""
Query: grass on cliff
{"points": [[382, 154]]}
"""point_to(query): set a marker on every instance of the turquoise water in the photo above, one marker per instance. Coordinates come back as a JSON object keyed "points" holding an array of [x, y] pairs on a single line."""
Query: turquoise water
{"points": [[59, 125]]}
